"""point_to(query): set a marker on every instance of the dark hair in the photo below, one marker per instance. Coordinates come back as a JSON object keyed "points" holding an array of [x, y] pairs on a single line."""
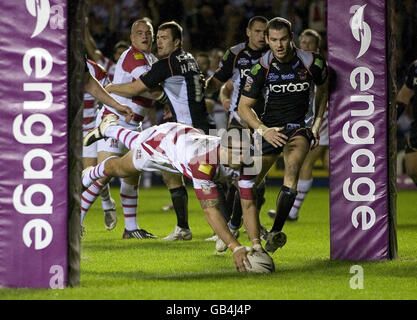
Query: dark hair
{"points": [[278, 23], [176, 29], [257, 19], [312, 33]]}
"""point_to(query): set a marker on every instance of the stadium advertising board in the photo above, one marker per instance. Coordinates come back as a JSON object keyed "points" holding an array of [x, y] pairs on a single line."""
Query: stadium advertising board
{"points": [[33, 141], [359, 207]]}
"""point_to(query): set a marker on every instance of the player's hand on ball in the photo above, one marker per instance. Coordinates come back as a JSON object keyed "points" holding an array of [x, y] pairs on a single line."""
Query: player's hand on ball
{"points": [[240, 258]]}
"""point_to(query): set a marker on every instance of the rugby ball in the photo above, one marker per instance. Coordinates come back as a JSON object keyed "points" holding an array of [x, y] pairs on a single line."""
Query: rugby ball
{"points": [[261, 262]]}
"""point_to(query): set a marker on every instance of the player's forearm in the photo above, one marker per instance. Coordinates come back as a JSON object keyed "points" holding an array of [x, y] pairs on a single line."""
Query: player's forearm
{"points": [[212, 85], [251, 220], [90, 45], [224, 96], [211, 208], [246, 113], [94, 88], [321, 100], [125, 89]]}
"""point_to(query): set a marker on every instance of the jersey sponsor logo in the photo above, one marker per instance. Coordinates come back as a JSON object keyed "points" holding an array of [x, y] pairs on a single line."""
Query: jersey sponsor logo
{"points": [[243, 61], [273, 77], [189, 66], [274, 64], [182, 57], [40, 9], [205, 168], [255, 69], [319, 63], [114, 143], [138, 154], [289, 87], [287, 76], [226, 55], [248, 84], [302, 74], [360, 29], [206, 189], [139, 56], [244, 73]]}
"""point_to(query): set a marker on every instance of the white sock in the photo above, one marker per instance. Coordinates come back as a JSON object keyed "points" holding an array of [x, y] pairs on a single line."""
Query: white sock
{"points": [[105, 196], [303, 187], [95, 173], [129, 199], [125, 136], [88, 197]]}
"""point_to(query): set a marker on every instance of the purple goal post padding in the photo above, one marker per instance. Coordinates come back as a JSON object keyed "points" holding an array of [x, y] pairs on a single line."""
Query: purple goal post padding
{"points": [[358, 129], [33, 143]]}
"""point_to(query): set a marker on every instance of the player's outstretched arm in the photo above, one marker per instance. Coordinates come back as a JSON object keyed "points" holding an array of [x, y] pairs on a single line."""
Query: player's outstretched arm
{"points": [[225, 94], [129, 89], [219, 226], [93, 87], [212, 85], [251, 222]]}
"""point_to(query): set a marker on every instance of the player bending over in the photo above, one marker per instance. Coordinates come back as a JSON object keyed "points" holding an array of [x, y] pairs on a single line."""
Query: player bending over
{"points": [[182, 149]]}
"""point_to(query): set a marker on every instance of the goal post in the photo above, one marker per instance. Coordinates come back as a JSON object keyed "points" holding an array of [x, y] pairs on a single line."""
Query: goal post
{"points": [[41, 81], [362, 138]]}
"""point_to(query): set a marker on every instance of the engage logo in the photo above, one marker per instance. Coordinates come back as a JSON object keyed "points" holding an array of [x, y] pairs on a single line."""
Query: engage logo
{"points": [[41, 10], [360, 29], [44, 13]]}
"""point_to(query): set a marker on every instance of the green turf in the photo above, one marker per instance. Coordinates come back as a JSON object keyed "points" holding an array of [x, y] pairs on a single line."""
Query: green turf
{"points": [[113, 268]]}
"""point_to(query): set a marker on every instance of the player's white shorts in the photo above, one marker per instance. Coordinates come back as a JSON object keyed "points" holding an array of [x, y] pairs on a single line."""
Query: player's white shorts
{"points": [[324, 131], [143, 161], [112, 145], [90, 151]]}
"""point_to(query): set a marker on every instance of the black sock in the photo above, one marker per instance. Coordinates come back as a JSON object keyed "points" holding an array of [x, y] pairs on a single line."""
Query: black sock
{"points": [[285, 200], [179, 198], [236, 219]]}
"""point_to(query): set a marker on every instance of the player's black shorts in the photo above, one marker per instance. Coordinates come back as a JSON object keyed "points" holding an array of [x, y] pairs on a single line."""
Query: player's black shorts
{"points": [[291, 130], [412, 139]]}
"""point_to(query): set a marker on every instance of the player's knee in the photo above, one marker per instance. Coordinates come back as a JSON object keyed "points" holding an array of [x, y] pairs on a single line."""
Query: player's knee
{"points": [[172, 181]]}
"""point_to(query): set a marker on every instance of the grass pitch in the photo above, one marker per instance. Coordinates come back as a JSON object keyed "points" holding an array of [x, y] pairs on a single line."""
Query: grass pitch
{"points": [[113, 268]]}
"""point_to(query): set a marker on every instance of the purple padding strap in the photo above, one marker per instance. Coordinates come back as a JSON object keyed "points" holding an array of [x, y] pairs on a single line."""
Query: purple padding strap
{"points": [[33, 144], [359, 207]]}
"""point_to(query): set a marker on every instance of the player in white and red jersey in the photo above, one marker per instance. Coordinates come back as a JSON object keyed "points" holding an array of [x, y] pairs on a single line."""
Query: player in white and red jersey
{"points": [[94, 90], [97, 55], [182, 149], [90, 152], [133, 62]]}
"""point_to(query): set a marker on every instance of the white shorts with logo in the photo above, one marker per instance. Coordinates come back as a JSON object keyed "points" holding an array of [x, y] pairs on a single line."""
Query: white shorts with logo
{"points": [[112, 145]]}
